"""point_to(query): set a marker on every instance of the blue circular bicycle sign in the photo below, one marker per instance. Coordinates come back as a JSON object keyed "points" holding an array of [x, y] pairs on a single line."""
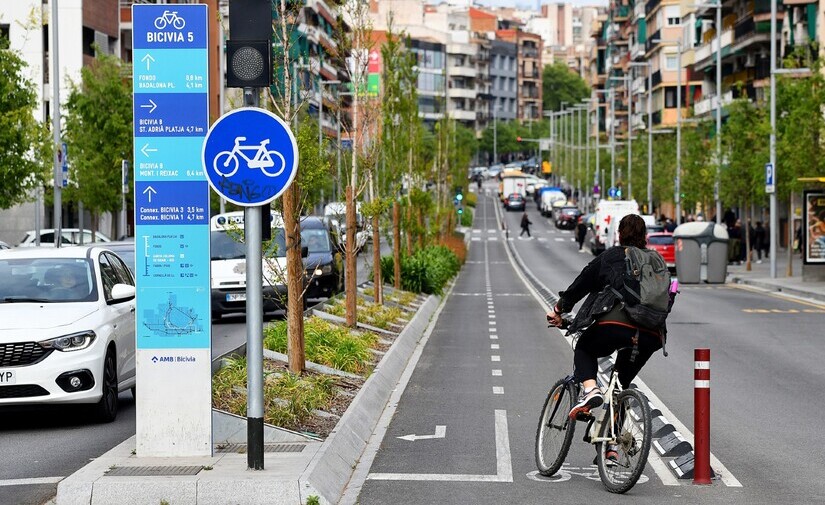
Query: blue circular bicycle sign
{"points": [[250, 156]]}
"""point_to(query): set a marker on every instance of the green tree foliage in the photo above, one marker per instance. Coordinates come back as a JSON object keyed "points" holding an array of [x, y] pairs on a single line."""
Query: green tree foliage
{"points": [[745, 148], [560, 84], [698, 167], [24, 147], [98, 131]]}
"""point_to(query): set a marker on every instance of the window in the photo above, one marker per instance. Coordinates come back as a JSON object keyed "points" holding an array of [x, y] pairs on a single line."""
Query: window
{"points": [[108, 276], [4, 36], [673, 14], [670, 98], [671, 62]]}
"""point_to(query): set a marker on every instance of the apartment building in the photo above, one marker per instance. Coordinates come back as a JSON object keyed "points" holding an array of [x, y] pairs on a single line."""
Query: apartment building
{"points": [[82, 24], [529, 68], [504, 80]]}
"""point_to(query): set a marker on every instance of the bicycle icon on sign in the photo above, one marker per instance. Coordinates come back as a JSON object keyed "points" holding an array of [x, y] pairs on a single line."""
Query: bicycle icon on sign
{"points": [[226, 163], [169, 18]]}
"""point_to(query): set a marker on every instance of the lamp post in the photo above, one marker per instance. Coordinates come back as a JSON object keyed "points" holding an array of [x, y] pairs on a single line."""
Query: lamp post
{"points": [[599, 177], [625, 79], [677, 195], [649, 131], [589, 198], [495, 131]]}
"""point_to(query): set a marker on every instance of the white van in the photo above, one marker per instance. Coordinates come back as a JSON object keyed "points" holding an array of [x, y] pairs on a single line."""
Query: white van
{"points": [[228, 265], [550, 196], [335, 213], [606, 223]]}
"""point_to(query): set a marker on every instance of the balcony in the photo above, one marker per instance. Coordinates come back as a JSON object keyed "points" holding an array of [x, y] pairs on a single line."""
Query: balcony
{"points": [[657, 78], [462, 93], [529, 52], [637, 50], [650, 5], [462, 71], [639, 10], [708, 50], [462, 115], [707, 105], [649, 45], [529, 93], [621, 12]]}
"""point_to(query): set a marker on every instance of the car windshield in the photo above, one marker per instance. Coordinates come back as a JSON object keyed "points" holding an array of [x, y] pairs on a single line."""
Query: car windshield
{"points": [[660, 240], [229, 244], [46, 280], [317, 240], [570, 212]]}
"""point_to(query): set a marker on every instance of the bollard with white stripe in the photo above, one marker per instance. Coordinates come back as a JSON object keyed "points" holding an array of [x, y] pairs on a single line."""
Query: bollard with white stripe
{"points": [[701, 416]]}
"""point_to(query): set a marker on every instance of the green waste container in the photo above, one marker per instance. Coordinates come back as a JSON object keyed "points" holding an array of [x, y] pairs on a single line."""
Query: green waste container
{"points": [[701, 252]]}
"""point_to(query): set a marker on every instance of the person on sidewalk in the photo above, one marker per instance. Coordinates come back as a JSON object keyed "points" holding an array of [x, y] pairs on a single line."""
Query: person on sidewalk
{"points": [[759, 241], [525, 224]]}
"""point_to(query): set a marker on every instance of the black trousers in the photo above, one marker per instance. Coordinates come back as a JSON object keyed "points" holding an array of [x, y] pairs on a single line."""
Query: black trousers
{"points": [[603, 340]]}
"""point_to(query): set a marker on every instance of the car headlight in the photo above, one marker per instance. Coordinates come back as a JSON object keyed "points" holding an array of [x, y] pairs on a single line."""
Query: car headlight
{"points": [[71, 342], [323, 269]]}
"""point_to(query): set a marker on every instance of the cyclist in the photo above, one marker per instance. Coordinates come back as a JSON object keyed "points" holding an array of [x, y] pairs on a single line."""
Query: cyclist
{"points": [[605, 327]]}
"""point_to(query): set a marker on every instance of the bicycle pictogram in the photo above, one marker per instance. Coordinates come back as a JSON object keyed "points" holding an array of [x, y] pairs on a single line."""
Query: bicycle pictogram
{"points": [[262, 159], [169, 18]]}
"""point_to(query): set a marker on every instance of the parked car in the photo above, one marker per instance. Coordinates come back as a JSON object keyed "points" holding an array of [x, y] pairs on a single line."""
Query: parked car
{"points": [[495, 171], [662, 242], [514, 201], [324, 262], [67, 328], [126, 250], [567, 217], [70, 236]]}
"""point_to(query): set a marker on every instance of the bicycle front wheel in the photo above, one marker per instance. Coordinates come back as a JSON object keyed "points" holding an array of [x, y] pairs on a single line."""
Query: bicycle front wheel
{"points": [[620, 469], [555, 432]]}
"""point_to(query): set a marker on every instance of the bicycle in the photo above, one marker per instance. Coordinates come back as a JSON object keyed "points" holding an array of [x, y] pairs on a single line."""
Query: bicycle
{"points": [[169, 18], [262, 159], [622, 424]]}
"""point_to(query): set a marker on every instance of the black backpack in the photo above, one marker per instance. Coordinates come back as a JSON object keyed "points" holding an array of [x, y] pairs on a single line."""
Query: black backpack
{"points": [[646, 288]]}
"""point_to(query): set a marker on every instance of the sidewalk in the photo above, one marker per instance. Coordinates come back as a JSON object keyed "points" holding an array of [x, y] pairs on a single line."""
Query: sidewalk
{"points": [[760, 276]]}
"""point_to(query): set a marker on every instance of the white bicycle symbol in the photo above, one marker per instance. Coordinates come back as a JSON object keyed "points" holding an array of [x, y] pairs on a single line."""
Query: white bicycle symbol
{"points": [[262, 159], [169, 18]]}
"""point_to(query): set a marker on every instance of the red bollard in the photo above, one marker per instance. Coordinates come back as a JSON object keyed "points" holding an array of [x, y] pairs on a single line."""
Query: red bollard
{"points": [[701, 416]]}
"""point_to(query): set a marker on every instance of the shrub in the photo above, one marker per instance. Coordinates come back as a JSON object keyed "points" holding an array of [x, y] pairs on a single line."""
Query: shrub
{"points": [[426, 271], [327, 344], [471, 199], [467, 217]]}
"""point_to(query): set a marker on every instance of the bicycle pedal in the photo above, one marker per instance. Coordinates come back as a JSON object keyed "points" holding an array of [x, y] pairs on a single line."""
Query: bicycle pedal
{"points": [[584, 416]]}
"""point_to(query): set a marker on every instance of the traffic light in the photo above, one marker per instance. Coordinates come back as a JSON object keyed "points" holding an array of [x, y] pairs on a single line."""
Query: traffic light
{"points": [[249, 51], [460, 210], [619, 191]]}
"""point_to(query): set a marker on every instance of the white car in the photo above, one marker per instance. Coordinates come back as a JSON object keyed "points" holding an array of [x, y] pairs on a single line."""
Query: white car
{"points": [[71, 236], [67, 328]]}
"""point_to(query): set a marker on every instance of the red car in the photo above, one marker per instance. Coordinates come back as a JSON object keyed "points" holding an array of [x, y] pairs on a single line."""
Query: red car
{"points": [[662, 242]]}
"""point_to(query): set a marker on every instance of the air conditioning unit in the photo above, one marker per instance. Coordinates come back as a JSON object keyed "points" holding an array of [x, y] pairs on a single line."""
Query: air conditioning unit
{"points": [[750, 60]]}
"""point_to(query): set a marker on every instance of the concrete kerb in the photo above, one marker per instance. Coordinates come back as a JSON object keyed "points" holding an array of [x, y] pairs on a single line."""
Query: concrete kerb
{"points": [[330, 470], [801, 293]]}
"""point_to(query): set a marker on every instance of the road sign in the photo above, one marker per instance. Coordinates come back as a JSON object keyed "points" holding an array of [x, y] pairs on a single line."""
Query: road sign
{"points": [[611, 192], [171, 195], [250, 156], [770, 187]]}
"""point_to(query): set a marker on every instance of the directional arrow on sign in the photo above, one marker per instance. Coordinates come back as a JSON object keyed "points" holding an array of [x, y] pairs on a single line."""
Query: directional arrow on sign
{"points": [[151, 105], [146, 150], [440, 432], [151, 191], [147, 59]]}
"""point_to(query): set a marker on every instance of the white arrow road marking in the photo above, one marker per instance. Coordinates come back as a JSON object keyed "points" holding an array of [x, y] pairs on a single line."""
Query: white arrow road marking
{"points": [[147, 59], [440, 432], [146, 150], [151, 106], [150, 190], [504, 463]]}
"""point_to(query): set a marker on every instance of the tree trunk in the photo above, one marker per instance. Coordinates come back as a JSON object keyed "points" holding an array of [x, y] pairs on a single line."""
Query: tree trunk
{"points": [[396, 245], [351, 268], [409, 230], [294, 281], [376, 262], [421, 229], [747, 238]]}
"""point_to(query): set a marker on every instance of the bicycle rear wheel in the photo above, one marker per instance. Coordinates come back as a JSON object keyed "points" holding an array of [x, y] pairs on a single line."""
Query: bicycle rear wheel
{"points": [[632, 442], [555, 430]]}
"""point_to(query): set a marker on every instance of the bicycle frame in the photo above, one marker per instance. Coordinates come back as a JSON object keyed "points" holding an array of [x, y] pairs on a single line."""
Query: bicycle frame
{"points": [[609, 414]]}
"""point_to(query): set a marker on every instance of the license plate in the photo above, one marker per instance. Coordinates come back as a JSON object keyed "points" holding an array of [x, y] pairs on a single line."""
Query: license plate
{"points": [[7, 377], [236, 297]]}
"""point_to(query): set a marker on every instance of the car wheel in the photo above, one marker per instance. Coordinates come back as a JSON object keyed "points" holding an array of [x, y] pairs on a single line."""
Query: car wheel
{"points": [[106, 408]]}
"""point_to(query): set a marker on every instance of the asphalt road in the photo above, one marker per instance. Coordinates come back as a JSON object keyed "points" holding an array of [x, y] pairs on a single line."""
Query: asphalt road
{"points": [[766, 360], [39, 446]]}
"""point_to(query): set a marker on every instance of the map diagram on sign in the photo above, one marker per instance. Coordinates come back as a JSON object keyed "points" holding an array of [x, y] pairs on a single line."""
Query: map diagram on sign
{"points": [[170, 319]]}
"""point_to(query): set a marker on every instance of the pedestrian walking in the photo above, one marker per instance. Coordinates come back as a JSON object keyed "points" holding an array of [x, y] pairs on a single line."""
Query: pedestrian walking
{"points": [[525, 224], [760, 241], [581, 232]]}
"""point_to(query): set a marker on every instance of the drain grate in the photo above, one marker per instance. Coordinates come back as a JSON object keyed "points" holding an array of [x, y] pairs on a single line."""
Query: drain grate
{"points": [[241, 448], [152, 471]]}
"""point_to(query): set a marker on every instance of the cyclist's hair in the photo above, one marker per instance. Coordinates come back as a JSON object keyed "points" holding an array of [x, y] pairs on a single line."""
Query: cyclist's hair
{"points": [[632, 231]]}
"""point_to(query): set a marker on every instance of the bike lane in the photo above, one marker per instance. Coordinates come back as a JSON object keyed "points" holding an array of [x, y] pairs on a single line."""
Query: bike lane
{"points": [[489, 361]]}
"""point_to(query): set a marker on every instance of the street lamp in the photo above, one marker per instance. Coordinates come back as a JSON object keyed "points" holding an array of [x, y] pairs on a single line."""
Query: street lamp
{"points": [[677, 197], [649, 131], [599, 177], [626, 79]]}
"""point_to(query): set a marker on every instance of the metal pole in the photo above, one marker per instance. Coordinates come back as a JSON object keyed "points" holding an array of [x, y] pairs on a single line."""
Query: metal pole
{"points": [[320, 116], [612, 138], [579, 152], [719, 106], [701, 415], [650, 137], [495, 131], [253, 220], [338, 151], [678, 196], [55, 109], [773, 217], [588, 191], [628, 82], [597, 175]]}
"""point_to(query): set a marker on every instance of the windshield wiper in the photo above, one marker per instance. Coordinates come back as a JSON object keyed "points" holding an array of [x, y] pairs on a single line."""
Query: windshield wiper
{"points": [[25, 299]]}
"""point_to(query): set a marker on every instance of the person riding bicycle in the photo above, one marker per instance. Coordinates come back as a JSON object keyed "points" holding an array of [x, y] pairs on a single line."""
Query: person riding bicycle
{"points": [[604, 326]]}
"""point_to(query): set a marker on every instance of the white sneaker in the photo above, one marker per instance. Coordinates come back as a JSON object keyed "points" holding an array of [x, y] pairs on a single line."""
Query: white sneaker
{"points": [[590, 400]]}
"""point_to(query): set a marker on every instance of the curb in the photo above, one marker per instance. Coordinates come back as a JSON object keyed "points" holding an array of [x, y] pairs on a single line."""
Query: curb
{"points": [[781, 289], [330, 470]]}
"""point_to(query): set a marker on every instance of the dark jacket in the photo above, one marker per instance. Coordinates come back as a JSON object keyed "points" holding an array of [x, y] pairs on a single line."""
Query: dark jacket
{"points": [[525, 221]]}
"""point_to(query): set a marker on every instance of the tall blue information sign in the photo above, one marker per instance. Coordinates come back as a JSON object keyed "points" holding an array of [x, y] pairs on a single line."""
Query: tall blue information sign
{"points": [[171, 195]]}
